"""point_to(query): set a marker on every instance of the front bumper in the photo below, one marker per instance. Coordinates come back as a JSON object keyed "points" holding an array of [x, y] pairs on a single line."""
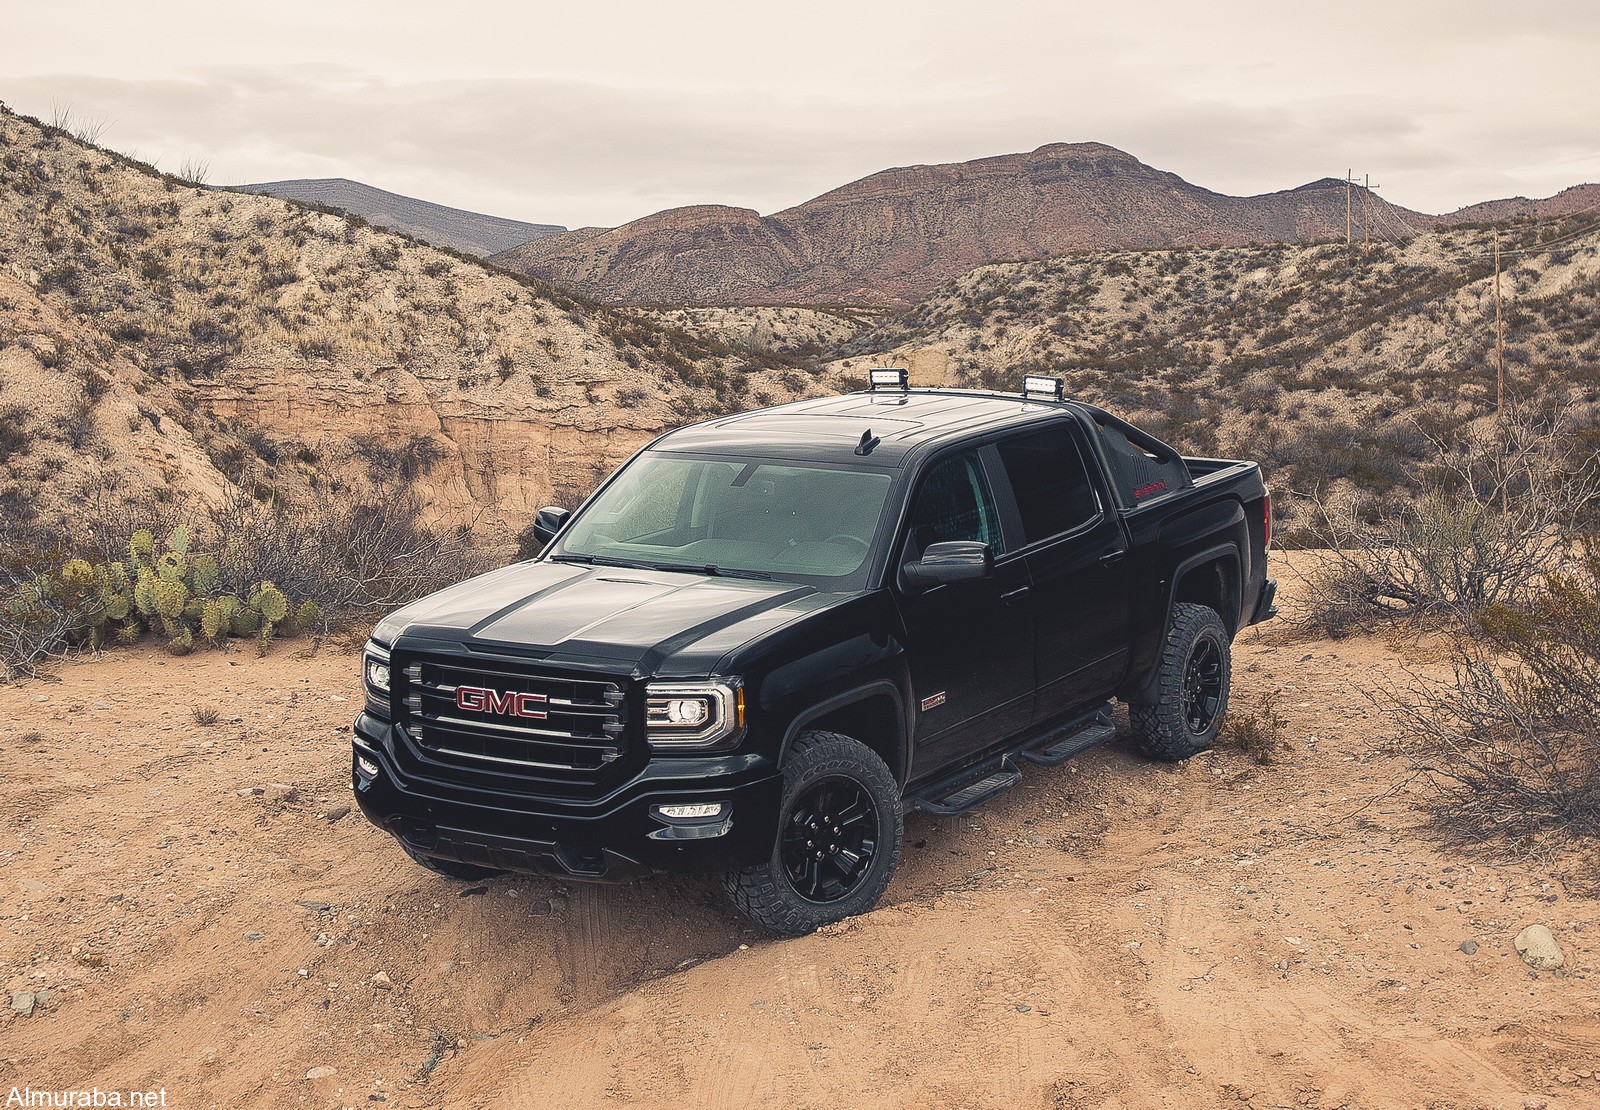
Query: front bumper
{"points": [[616, 838]]}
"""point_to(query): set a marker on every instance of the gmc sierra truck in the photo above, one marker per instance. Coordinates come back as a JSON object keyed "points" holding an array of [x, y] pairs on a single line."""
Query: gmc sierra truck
{"points": [[768, 636]]}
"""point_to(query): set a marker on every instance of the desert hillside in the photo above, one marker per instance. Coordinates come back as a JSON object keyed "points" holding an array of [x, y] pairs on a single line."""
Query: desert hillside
{"points": [[894, 236], [1330, 366], [196, 338]]}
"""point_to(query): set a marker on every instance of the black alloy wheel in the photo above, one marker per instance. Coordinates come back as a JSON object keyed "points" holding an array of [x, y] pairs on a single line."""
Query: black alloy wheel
{"points": [[836, 840], [1202, 686], [830, 839], [1180, 711]]}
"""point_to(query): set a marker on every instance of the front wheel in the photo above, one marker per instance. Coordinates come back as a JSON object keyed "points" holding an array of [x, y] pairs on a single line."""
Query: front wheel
{"points": [[1188, 698], [838, 839]]}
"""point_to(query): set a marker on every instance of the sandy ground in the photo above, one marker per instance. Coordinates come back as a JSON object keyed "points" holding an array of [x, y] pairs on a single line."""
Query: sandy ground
{"points": [[1112, 933]]}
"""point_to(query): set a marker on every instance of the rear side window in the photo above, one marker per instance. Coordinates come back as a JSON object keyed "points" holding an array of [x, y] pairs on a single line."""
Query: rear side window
{"points": [[1050, 480], [953, 504]]}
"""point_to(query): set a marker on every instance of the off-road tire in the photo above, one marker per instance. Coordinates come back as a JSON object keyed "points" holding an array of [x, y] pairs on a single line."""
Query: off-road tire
{"points": [[451, 869], [1165, 723], [769, 893]]}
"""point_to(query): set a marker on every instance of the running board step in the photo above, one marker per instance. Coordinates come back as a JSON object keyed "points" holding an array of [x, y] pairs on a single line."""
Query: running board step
{"points": [[1077, 736], [969, 788]]}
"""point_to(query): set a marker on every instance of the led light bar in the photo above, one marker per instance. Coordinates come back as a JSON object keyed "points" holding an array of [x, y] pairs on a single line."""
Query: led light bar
{"points": [[1042, 387], [889, 378]]}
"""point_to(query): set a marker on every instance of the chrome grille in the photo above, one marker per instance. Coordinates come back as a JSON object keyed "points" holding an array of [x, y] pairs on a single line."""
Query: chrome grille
{"points": [[498, 718]]}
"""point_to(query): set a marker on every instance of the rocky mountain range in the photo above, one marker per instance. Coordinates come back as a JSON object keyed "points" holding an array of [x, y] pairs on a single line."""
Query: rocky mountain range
{"points": [[894, 236], [443, 226]]}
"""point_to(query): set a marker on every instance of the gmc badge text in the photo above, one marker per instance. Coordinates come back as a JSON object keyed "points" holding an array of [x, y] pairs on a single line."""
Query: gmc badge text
{"points": [[767, 636]]}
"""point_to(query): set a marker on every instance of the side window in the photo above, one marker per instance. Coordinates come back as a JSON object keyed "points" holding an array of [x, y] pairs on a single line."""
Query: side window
{"points": [[1050, 481], [953, 503]]}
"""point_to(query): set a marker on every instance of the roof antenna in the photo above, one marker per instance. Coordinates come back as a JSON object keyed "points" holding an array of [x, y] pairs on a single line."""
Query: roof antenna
{"points": [[868, 442]]}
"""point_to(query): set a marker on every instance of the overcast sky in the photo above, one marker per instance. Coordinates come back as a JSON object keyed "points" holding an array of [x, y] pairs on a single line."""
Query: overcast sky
{"points": [[602, 112]]}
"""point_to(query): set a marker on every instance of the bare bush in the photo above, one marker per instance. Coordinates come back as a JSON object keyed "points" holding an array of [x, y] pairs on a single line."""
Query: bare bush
{"points": [[1256, 729], [1511, 741], [360, 557], [352, 559], [1499, 505]]}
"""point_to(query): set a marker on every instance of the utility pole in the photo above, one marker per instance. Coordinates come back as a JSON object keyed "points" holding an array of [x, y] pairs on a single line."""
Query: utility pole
{"points": [[1349, 182], [1499, 337], [1367, 249]]}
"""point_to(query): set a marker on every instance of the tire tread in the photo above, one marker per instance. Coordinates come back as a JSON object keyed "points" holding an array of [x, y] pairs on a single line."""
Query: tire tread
{"points": [[1158, 724]]}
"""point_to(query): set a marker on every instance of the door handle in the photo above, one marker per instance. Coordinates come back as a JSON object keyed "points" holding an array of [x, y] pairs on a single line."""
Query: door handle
{"points": [[1012, 595], [1114, 556]]}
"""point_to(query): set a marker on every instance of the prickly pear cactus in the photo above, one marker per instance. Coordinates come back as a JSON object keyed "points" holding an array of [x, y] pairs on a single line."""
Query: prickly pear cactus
{"points": [[129, 634], [115, 606], [171, 566], [246, 622], [205, 575], [182, 643], [144, 597], [142, 547], [216, 617], [169, 598], [270, 601], [77, 572], [178, 541]]}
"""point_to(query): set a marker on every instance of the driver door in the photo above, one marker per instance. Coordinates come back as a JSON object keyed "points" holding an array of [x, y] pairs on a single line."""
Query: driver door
{"points": [[970, 644]]}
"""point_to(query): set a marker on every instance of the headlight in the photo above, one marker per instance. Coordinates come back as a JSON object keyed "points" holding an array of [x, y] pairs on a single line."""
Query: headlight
{"points": [[693, 714], [375, 679]]}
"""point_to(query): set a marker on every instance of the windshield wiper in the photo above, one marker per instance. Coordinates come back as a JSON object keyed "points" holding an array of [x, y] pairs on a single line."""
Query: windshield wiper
{"points": [[600, 561], [714, 571]]}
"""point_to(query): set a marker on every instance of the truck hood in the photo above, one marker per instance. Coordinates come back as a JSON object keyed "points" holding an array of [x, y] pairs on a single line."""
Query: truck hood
{"points": [[602, 615]]}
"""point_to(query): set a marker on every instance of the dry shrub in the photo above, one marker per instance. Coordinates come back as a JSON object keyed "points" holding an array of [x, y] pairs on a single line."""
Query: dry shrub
{"points": [[1499, 505], [1256, 729], [351, 558], [1511, 741], [355, 559]]}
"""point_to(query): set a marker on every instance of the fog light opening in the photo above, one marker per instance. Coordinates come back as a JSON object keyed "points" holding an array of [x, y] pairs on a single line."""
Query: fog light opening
{"points": [[698, 811], [366, 766]]}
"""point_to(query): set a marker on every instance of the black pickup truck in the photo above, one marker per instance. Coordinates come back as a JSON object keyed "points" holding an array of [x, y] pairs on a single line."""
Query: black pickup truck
{"points": [[768, 636]]}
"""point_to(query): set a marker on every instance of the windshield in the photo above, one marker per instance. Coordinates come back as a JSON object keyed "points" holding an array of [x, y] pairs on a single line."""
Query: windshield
{"points": [[714, 515]]}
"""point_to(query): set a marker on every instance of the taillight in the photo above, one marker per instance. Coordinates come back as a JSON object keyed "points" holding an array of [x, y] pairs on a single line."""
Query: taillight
{"points": [[1266, 519]]}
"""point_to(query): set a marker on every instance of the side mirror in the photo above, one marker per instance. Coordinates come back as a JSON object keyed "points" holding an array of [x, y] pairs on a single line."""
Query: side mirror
{"points": [[953, 561], [548, 522]]}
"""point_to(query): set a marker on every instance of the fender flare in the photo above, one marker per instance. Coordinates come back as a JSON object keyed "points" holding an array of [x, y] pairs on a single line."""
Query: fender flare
{"points": [[848, 698], [1227, 552]]}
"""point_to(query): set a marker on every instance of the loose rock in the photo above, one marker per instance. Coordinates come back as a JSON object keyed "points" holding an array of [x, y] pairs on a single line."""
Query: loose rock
{"points": [[1539, 948], [22, 1003], [382, 981], [280, 793], [337, 812], [319, 1073], [1470, 947]]}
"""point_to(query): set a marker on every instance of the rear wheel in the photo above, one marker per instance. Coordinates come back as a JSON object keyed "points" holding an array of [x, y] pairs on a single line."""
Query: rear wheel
{"points": [[838, 839], [1189, 697]]}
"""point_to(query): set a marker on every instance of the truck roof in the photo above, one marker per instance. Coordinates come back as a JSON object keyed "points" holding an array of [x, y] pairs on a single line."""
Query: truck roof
{"points": [[830, 428]]}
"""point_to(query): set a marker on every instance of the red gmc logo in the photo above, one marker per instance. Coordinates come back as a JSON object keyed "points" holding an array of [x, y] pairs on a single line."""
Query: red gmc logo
{"points": [[480, 699]]}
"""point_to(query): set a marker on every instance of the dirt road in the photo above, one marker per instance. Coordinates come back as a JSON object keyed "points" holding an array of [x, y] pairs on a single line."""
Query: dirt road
{"points": [[1112, 933]]}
